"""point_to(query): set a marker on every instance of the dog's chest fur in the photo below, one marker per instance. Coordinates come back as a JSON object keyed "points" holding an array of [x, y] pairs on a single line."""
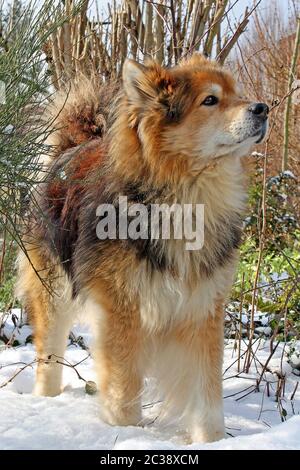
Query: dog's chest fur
{"points": [[169, 282], [165, 300], [201, 277]]}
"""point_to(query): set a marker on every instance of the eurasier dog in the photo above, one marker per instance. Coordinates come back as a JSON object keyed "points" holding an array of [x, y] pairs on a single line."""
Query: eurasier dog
{"points": [[163, 136]]}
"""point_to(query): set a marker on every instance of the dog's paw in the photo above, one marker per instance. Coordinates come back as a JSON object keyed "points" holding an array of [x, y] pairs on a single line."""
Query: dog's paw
{"points": [[42, 389], [200, 435], [116, 416]]}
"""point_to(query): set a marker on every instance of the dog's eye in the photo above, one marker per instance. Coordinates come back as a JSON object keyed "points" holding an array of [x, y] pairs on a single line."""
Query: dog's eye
{"points": [[210, 100]]}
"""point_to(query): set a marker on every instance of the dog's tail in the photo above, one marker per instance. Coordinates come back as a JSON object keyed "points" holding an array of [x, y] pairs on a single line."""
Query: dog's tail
{"points": [[78, 114]]}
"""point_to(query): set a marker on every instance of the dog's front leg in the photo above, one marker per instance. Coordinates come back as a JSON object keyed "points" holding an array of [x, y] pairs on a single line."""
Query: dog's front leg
{"points": [[193, 377], [117, 355]]}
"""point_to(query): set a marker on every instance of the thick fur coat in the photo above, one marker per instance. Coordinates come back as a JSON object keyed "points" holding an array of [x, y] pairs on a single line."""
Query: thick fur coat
{"points": [[163, 136]]}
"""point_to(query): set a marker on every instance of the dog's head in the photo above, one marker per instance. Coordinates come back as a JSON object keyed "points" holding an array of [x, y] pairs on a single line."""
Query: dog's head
{"points": [[193, 109]]}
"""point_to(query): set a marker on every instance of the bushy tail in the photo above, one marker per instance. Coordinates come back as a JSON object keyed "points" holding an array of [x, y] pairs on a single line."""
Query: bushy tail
{"points": [[79, 114]]}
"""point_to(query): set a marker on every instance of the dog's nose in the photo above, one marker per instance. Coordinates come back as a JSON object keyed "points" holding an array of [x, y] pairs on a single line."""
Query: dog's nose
{"points": [[259, 109]]}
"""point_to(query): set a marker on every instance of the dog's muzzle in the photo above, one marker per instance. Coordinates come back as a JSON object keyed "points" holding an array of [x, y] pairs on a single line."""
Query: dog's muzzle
{"points": [[259, 112]]}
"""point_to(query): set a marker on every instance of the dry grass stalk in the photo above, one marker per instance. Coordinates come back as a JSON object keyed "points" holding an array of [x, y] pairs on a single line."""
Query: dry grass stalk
{"points": [[264, 61], [289, 99], [164, 30]]}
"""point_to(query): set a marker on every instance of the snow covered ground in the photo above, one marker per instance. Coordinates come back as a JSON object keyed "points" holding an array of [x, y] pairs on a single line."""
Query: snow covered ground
{"points": [[71, 420]]}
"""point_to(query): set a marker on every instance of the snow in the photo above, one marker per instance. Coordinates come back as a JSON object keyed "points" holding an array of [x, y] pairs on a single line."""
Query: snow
{"points": [[257, 154], [261, 319], [71, 420], [289, 174], [9, 129]]}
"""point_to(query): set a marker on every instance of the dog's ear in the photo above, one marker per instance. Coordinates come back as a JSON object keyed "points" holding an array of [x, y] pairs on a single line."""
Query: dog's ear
{"points": [[135, 81], [146, 82], [150, 85]]}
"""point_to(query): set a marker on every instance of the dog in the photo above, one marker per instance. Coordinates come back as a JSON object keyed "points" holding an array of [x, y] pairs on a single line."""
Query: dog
{"points": [[161, 136]]}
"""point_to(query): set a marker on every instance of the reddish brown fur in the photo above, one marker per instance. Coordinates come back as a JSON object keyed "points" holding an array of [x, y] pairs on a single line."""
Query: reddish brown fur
{"points": [[63, 193], [148, 297]]}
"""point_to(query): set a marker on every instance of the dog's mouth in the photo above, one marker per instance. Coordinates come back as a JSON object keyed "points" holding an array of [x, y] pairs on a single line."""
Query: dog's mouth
{"points": [[259, 133], [262, 132]]}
